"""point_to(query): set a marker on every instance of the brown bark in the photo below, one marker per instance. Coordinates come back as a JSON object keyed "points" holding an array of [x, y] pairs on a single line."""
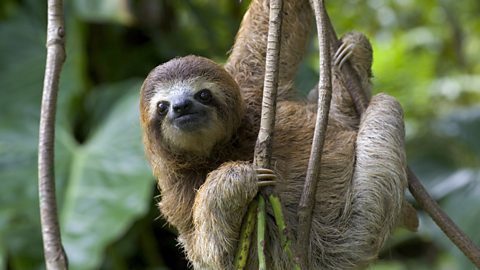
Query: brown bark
{"points": [[55, 257], [263, 147], [307, 201]]}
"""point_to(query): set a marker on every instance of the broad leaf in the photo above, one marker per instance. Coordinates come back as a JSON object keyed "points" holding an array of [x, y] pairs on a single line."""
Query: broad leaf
{"points": [[22, 60], [109, 183], [102, 185]]}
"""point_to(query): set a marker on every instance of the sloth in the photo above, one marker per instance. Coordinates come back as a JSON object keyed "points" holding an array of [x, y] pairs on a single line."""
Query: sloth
{"points": [[200, 122]]}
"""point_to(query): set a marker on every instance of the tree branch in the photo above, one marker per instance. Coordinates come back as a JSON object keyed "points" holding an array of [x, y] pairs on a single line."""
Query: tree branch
{"points": [[457, 236], [307, 201], [55, 257], [263, 147]]}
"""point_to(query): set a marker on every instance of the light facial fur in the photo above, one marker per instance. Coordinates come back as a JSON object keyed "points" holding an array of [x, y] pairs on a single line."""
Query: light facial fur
{"points": [[199, 141]]}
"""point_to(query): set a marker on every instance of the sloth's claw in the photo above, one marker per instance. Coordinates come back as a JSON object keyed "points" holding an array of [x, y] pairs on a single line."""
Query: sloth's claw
{"points": [[266, 183], [343, 54], [266, 177]]}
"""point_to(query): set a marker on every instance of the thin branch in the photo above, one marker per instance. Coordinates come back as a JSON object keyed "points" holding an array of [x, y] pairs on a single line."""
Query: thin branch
{"points": [[263, 147], [457, 236], [307, 201], [55, 257]]}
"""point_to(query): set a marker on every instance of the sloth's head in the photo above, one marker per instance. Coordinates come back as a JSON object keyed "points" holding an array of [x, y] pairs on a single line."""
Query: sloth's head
{"points": [[190, 104]]}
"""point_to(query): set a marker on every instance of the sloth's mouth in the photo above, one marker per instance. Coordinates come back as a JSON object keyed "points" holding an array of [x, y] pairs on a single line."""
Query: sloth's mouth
{"points": [[190, 121]]}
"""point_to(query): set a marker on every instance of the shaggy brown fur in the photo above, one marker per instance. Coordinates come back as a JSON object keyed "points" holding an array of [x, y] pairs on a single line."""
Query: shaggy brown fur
{"points": [[206, 184]]}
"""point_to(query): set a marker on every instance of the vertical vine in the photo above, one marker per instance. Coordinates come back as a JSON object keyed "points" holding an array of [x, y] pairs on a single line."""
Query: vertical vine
{"points": [[307, 200], [263, 149], [55, 257]]}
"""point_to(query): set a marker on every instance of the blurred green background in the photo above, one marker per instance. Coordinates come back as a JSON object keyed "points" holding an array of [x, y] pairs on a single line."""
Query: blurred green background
{"points": [[427, 54]]}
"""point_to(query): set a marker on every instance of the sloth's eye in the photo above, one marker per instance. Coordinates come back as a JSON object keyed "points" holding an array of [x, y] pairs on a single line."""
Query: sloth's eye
{"points": [[162, 107], [204, 96]]}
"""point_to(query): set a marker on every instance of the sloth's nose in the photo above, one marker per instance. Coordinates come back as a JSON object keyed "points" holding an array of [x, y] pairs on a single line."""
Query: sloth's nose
{"points": [[182, 106]]}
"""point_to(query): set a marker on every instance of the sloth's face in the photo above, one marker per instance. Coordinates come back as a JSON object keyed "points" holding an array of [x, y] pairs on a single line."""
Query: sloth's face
{"points": [[187, 113], [187, 106], [190, 112]]}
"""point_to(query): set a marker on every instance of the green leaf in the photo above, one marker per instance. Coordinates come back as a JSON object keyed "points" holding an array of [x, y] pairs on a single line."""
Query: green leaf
{"points": [[109, 184], [22, 60], [22, 63], [102, 185]]}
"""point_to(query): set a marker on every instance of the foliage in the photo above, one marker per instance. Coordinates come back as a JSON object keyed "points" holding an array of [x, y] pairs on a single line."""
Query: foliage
{"points": [[109, 158], [425, 55]]}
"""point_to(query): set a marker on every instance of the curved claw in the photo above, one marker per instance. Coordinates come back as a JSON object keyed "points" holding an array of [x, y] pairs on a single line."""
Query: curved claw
{"points": [[266, 177], [266, 183], [343, 54], [264, 171]]}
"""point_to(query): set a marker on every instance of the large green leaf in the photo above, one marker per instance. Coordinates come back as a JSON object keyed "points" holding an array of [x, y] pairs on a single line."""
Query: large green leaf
{"points": [[102, 184], [22, 59], [109, 183]]}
